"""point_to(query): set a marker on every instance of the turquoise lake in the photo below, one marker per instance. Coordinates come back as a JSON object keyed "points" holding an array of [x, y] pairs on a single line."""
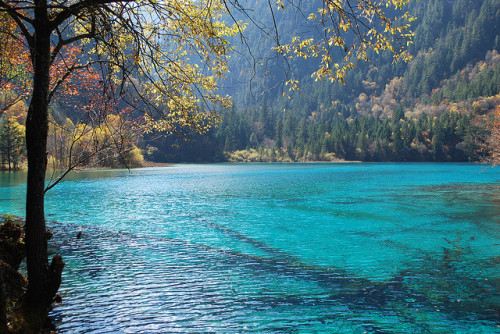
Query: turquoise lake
{"points": [[276, 248]]}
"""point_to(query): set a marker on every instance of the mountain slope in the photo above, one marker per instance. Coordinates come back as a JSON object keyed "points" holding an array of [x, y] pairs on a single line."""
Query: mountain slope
{"points": [[426, 110]]}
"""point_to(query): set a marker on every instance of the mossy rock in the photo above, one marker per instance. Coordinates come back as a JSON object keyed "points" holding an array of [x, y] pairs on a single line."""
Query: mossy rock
{"points": [[12, 249], [14, 284]]}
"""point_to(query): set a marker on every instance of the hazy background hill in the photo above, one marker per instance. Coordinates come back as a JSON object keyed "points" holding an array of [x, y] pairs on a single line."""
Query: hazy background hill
{"points": [[449, 36]]}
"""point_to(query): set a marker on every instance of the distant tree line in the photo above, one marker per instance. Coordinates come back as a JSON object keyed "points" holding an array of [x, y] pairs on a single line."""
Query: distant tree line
{"points": [[262, 134], [439, 107], [109, 144], [436, 108]]}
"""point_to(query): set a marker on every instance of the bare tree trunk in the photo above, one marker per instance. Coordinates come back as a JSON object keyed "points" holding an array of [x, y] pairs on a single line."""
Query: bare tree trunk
{"points": [[42, 282], [36, 144]]}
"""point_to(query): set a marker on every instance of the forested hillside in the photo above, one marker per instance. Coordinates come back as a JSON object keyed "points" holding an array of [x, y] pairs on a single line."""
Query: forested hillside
{"points": [[437, 107], [432, 109]]}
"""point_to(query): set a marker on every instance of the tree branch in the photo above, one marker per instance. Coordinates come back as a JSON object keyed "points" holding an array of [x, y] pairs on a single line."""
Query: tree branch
{"points": [[19, 18], [76, 8], [63, 42]]}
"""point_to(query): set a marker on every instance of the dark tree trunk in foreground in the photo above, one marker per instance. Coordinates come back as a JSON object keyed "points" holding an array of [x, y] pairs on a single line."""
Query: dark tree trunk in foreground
{"points": [[43, 281]]}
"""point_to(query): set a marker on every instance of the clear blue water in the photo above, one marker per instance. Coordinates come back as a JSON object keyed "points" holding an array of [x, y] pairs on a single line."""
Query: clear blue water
{"points": [[280, 248]]}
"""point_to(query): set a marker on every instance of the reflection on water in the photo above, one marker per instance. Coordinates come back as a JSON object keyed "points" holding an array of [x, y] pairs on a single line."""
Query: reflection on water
{"points": [[380, 248]]}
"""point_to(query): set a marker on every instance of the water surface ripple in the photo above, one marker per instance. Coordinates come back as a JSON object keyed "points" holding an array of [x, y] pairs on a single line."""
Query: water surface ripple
{"points": [[354, 248]]}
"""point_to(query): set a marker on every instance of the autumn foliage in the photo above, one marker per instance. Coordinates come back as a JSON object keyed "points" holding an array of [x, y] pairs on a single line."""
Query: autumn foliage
{"points": [[103, 134], [493, 140], [15, 66]]}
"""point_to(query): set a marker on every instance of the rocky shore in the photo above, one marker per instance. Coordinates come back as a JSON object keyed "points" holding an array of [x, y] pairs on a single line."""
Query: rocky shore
{"points": [[14, 316]]}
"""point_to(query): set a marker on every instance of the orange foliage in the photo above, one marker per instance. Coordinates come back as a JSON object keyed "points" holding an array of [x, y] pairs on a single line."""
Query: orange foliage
{"points": [[493, 140], [69, 76], [15, 64]]}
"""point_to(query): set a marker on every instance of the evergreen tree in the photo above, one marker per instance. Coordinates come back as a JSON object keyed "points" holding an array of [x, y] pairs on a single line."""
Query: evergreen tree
{"points": [[12, 146]]}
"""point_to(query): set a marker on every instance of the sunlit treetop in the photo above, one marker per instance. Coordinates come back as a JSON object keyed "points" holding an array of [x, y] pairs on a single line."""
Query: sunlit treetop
{"points": [[177, 53], [351, 31], [168, 57], [14, 66], [165, 58]]}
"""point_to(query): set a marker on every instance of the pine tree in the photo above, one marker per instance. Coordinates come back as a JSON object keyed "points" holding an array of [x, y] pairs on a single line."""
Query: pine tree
{"points": [[12, 147]]}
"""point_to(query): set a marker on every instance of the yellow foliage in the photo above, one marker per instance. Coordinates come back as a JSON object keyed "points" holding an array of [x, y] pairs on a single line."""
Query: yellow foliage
{"points": [[375, 31], [135, 157], [172, 34]]}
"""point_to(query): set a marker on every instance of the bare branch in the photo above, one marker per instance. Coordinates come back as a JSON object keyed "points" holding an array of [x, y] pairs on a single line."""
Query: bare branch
{"points": [[15, 14]]}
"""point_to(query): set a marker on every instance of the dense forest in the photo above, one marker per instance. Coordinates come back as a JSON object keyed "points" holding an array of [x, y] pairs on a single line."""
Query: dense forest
{"points": [[438, 107], [434, 108]]}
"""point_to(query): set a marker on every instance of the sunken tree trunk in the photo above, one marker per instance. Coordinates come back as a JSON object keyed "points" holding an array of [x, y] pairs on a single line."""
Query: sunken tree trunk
{"points": [[43, 281]]}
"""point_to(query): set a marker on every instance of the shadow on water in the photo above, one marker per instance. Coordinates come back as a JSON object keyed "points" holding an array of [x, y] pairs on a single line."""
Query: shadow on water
{"points": [[433, 284]]}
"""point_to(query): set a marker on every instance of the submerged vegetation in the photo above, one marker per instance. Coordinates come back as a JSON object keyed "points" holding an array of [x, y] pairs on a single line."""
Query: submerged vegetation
{"points": [[434, 291], [275, 248]]}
